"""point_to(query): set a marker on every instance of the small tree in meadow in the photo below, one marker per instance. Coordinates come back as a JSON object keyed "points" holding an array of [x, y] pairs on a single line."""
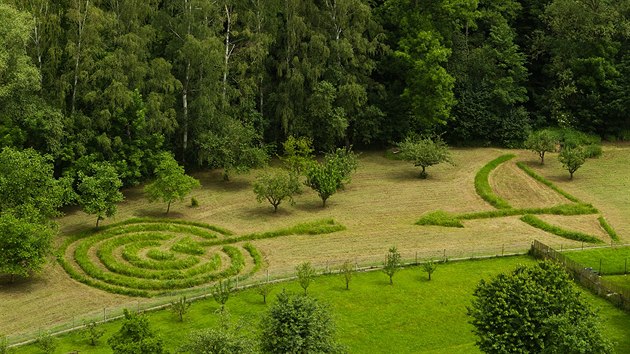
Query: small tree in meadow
{"points": [[429, 267], [221, 292], [93, 332], [305, 273], [276, 187], [572, 159], [327, 177], [263, 289], [99, 190], [392, 264], [46, 342], [541, 142], [180, 307], [171, 182], [424, 152], [347, 271]]}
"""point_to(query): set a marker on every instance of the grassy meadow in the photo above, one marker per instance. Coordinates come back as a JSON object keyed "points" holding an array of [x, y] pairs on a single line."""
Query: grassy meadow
{"points": [[414, 315], [378, 209]]}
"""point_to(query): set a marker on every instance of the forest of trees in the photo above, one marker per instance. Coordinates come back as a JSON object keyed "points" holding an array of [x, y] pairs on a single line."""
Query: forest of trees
{"points": [[222, 83]]}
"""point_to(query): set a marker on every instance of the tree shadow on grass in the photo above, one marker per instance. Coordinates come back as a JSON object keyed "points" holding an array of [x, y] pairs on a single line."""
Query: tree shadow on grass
{"points": [[157, 213], [265, 211], [404, 174]]}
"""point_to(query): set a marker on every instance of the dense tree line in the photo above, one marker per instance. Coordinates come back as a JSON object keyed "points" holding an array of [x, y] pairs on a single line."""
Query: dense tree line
{"points": [[221, 83]]}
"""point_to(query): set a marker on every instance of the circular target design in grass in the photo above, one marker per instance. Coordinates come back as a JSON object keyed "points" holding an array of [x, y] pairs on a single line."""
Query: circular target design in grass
{"points": [[148, 257]]}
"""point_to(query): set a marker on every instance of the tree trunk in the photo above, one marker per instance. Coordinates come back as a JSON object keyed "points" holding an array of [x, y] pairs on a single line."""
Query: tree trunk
{"points": [[168, 207], [98, 218], [275, 208], [542, 158], [228, 53], [185, 112], [80, 27]]}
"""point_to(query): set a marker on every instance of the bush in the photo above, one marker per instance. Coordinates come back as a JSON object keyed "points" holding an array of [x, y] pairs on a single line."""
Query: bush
{"points": [[534, 309], [298, 324], [194, 202], [46, 342], [135, 337], [592, 151]]}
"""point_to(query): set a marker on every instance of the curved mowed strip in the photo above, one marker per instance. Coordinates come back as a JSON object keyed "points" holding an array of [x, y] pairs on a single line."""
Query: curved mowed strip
{"points": [[149, 257]]}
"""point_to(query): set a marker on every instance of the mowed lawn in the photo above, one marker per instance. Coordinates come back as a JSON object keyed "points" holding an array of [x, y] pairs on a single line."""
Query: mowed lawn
{"points": [[412, 316], [378, 209]]}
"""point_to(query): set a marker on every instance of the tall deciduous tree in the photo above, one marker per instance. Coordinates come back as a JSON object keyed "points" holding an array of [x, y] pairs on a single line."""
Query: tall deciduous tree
{"points": [[572, 159], [27, 185], [534, 309], [99, 190], [171, 182], [24, 245]]}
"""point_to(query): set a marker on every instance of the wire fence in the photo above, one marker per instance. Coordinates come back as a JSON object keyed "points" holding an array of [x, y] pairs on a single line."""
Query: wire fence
{"points": [[586, 276], [276, 274]]}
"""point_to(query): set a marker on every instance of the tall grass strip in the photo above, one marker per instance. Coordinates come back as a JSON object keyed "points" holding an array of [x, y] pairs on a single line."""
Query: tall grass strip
{"points": [[439, 218], [556, 230], [546, 182], [609, 230], [482, 185]]}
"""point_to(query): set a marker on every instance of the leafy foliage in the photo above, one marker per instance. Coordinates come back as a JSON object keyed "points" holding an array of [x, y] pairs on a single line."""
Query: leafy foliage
{"points": [[276, 187], [392, 264], [221, 292], [135, 336], [298, 153], [99, 190], [572, 159], [347, 271], [425, 152], [542, 141], [46, 342], [24, 245], [305, 274], [93, 332], [171, 183], [27, 185], [298, 324], [180, 307], [429, 267], [327, 177], [534, 309], [225, 339]]}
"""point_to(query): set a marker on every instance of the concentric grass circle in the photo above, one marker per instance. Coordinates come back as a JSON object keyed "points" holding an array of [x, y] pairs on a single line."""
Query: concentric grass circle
{"points": [[148, 257]]}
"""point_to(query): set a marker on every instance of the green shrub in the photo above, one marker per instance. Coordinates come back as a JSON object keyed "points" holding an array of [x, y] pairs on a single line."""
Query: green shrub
{"points": [[194, 202], [592, 151], [556, 230], [482, 186]]}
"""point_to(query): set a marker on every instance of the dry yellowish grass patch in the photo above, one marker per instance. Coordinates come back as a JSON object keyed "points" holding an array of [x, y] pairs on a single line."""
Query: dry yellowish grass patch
{"points": [[378, 208]]}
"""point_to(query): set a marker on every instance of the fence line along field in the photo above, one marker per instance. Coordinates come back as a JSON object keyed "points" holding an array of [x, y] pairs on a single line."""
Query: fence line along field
{"points": [[377, 210]]}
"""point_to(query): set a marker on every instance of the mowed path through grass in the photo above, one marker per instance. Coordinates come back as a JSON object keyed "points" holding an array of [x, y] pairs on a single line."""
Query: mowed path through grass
{"points": [[412, 316], [378, 209]]}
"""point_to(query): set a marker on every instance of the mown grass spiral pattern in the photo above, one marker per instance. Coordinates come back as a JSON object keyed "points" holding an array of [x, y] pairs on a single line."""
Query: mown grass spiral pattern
{"points": [[149, 257]]}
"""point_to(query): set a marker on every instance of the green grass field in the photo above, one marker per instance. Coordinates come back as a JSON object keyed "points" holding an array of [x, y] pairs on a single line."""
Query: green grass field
{"points": [[378, 209], [412, 316], [613, 260]]}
